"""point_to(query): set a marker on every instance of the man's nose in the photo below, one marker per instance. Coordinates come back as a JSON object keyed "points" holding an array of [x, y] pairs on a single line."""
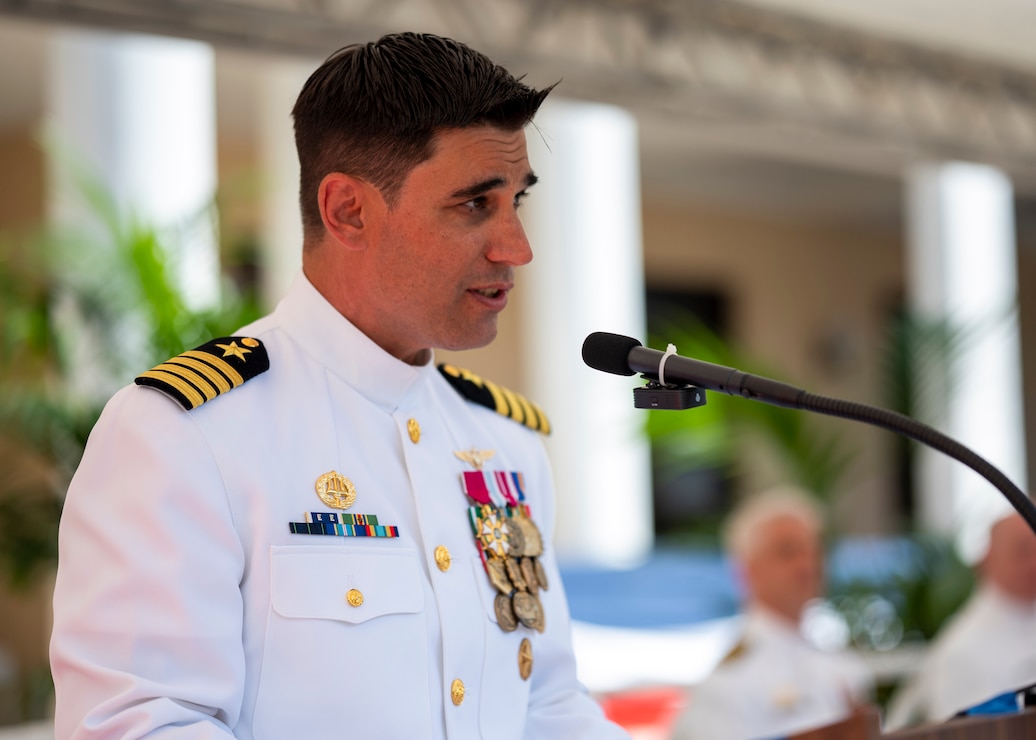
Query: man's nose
{"points": [[509, 244]]}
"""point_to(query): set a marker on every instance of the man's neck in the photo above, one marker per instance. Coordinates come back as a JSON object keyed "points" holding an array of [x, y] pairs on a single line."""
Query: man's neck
{"points": [[776, 616], [1014, 603]]}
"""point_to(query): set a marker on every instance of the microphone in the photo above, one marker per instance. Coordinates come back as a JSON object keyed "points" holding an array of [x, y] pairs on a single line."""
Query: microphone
{"points": [[621, 355]]}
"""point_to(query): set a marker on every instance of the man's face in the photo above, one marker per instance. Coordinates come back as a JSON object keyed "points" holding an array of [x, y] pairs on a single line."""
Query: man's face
{"points": [[446, 252], [785, 570], [1011, 561]]}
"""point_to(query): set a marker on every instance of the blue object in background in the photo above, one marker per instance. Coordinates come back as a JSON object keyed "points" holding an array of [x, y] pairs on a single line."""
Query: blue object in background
{"points": [[673, 588], [1002, 704], [682, 586]]}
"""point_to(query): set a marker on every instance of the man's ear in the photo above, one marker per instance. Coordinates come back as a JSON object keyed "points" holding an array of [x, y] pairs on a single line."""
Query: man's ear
{"points": [[349, 208]]}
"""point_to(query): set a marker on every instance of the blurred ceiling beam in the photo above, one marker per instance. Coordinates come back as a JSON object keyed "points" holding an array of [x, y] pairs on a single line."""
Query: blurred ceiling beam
{"points": [[715, 67]]}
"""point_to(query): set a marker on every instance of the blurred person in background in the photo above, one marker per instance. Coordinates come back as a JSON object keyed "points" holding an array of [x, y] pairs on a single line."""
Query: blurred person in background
{"points": [[989, 646], [774, 681]]}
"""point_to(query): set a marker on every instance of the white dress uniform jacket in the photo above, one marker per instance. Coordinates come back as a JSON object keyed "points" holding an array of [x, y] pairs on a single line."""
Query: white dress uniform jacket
{"points": [[986, 649], [774, 683], [184, 606]]}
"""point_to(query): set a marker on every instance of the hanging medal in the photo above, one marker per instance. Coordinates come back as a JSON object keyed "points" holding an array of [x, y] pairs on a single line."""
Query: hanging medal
{"points": [[509, 542]]}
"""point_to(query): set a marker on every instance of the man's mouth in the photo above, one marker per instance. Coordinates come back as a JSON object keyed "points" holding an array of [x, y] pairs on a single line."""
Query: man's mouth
{"points": [[489, 292]]}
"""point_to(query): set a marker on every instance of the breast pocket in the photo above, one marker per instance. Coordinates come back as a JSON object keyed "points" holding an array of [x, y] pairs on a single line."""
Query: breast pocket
{"points": [[346, 644]]}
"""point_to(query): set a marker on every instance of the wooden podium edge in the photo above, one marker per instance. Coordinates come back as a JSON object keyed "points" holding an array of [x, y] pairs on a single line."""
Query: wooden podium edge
{"points": [[865, 724], [1020, 726]]}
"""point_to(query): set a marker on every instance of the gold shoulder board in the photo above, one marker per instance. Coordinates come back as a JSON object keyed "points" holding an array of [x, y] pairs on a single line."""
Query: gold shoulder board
{"points": [[201, 374], [501, 400], [735, 652]]}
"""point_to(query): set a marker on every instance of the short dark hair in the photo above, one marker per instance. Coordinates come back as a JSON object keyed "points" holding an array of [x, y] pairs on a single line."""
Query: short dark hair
{"points": [[372, 110]]}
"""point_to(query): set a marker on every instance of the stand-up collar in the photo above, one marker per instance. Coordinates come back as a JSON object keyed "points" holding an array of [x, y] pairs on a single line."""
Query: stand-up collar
{"points": [[335, 342], [761, 623]]}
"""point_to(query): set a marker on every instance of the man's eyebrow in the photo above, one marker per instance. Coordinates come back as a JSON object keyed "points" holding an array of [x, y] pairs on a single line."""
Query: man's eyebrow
{"points": [[491, 183]]}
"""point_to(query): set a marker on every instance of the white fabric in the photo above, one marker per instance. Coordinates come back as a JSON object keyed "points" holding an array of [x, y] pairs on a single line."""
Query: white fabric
{"points": [[185, 607], [774, 684], [987, 648]]}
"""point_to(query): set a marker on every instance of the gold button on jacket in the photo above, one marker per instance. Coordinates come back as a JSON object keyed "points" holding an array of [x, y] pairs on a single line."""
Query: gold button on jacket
{"points": [[457, 691], [442, 558]]}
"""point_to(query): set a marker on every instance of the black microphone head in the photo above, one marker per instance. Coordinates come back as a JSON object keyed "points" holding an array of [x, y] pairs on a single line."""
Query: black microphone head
{"points": [[609, 353]]}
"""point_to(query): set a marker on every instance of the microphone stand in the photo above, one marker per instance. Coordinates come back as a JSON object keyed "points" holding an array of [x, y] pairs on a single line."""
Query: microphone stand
{"points": [[915, 430], [736, 383]]}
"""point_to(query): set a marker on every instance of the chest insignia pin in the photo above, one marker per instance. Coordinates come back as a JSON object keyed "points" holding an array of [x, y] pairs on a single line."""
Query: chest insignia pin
{"points": [[474, 457], [335, 490]]}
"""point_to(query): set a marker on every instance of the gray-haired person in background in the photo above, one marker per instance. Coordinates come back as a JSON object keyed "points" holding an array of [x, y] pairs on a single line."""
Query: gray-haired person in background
{"points": [[774, 681]]}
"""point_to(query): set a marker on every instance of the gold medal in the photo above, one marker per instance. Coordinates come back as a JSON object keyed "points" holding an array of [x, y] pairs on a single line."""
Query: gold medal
{"points": [[515, 538], [498, 575], [514, 572], [528, 610], [504, 613], [533, 538], [529, 573], [335, 490], [532, 541], [541, 574], [494, 532], [541, 624]]}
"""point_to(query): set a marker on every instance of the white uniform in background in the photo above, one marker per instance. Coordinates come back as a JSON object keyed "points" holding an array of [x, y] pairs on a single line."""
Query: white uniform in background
{"points": [[986, 649], [773, 683], [187, 601]]}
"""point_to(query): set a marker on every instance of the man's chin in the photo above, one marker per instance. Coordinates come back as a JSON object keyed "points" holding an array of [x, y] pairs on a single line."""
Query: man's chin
{"points": [[471, 340]]}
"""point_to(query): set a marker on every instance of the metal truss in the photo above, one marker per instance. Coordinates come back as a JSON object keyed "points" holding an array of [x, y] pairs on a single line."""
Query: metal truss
{"points": [[691, 60]]}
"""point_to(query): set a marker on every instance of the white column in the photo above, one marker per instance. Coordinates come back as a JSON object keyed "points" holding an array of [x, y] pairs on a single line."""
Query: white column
{"points": [[139, 111], [962, 268], [583, 220]]}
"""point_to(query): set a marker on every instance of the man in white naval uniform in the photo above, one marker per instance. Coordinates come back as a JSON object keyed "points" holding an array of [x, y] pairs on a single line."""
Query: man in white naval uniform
{"points": [[774, 682], [274, 535], [989, 646]]}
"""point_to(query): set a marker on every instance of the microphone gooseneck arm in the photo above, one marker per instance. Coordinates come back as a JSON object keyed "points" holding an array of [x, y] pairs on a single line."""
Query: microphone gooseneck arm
{"points": [[603, 351], [915, 430]]}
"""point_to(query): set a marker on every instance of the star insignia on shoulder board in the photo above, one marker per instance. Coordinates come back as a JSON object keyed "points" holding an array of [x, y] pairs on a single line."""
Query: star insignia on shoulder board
{"points": [[233, 349], [200, 374]]}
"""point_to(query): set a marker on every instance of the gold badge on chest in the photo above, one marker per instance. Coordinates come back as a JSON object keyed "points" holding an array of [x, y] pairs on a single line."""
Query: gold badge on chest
{"points": [[335, 490], [338, 492]]}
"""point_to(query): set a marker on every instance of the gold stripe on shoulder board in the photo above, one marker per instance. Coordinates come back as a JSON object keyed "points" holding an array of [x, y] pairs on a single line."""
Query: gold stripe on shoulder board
{"points": [[501, 400], [739, 649], [201, 374]]}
